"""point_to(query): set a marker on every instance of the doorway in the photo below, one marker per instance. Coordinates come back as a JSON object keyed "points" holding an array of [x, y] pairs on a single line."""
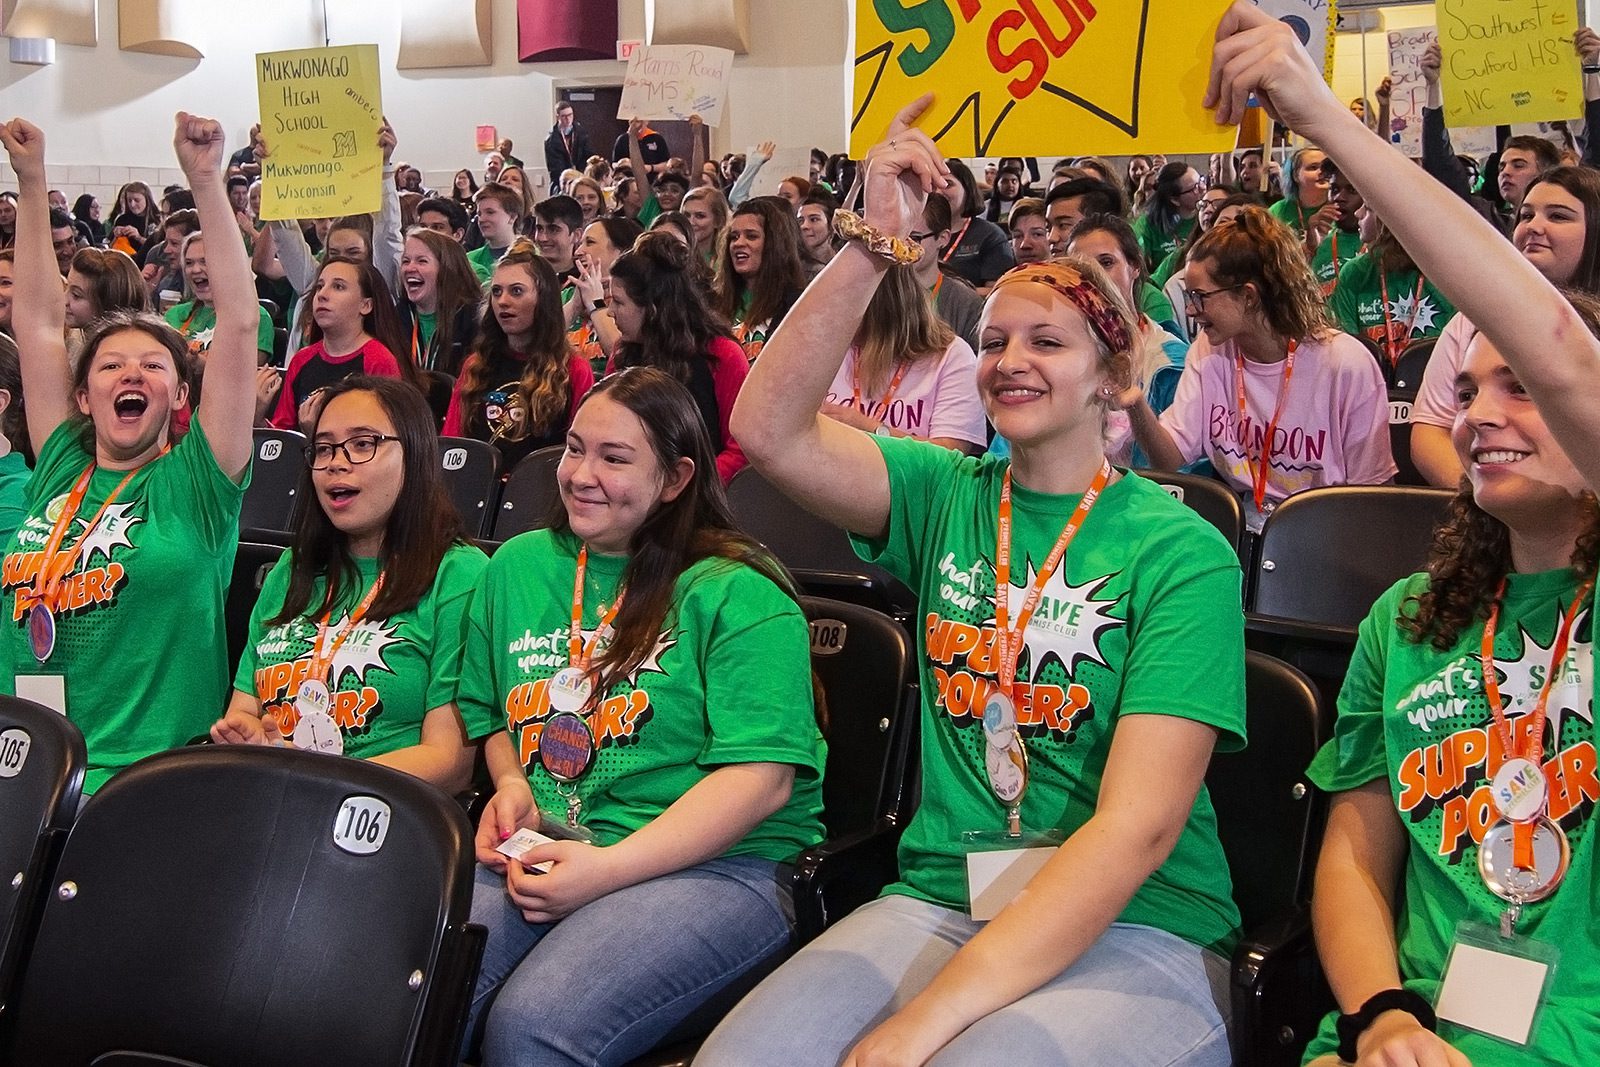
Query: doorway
{"points": [[595, 109]]}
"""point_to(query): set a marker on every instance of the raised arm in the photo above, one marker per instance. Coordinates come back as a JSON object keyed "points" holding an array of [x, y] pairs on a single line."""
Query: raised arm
{"points": [[697, 154], [39, 310], [641, 169], [1541, 337], [227, 409], [388, 243], [747, 177], [832, 469]]}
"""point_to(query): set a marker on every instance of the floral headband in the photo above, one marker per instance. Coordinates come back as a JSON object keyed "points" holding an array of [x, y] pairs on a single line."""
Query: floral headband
{"points": [[1104, 320]]}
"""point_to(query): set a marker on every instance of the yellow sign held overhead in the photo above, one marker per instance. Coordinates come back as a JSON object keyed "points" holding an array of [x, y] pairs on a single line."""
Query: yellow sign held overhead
{"points": [[1040, 77], [321, 111], [1508, 61]]}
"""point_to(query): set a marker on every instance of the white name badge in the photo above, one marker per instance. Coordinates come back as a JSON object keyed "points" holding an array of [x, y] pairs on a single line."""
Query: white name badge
{"points": [[519, 843], [1493, 985], [47, 689], [995, 878], [317, 732]]}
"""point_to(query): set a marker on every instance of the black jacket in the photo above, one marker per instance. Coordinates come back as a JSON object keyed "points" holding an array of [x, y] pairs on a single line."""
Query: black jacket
{"points": [[564, 153]]}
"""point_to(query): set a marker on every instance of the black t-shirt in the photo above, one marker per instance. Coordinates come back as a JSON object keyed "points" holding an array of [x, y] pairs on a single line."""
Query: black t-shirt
{"points": [[983, 254], [702, 387], [652, 146], [497, 416]]}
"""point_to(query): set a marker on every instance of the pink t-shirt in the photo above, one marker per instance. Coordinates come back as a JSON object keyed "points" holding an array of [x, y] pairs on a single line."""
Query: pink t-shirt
{"points": [[1333, 430], [1436, 396], [936, 398], [321, 369]]}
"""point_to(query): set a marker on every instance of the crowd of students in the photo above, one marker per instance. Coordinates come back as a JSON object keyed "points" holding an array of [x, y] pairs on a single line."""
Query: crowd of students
{"points": [[966, 377]]}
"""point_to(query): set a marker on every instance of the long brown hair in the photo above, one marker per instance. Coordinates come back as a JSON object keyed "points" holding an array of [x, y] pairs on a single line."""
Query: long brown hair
{"points": [[1255, 247], [545, 390], [422, 526], [457, 287], [677, 326], [695, 525], [114, 280], [1471, 552], [899, 325], [781, 274]]}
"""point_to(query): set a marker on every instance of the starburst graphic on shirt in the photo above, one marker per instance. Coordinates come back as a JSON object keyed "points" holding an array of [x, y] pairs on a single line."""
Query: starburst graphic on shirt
{"points": [[1068, 623], [200, 340], [1402, 309], [651, 662], [1570, 695], [110, 532], [363, 649]]}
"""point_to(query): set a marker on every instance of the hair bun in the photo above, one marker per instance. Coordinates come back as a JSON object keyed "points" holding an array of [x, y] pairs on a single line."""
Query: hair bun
{"points": [[663, 249]]}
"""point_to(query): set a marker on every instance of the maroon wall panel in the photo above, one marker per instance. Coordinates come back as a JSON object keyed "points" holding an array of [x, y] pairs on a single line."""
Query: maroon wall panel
{"points": [[554, 30]]}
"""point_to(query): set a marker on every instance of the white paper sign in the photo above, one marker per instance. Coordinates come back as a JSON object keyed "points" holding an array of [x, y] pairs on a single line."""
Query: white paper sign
{"points": [[1411, 93], [674, 81]]}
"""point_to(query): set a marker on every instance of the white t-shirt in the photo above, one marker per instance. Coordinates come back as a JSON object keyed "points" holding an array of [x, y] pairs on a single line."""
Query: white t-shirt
{"points": [[1333, 429], [1436, 396], [936, 398]]}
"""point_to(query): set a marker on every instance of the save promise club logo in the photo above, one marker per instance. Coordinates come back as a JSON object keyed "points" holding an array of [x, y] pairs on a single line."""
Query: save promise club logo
{"points": [[356, 703], [1063, 640]]}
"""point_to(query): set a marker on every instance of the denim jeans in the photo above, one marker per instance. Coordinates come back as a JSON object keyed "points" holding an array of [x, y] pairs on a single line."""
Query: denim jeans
{"points": [[1138, 996], [610, 981]]}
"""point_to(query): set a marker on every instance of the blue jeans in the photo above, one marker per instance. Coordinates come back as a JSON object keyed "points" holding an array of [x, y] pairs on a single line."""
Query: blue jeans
{"points": [[610, 981], [1138, 996]]}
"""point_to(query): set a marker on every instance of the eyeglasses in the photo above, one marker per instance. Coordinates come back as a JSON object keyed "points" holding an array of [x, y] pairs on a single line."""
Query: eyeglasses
{"points": [[1196, 298], [924, 236], [358, 449]]}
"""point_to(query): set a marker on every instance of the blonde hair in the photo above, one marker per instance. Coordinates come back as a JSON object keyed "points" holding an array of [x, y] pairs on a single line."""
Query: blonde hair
{"points": [[899, 326]]}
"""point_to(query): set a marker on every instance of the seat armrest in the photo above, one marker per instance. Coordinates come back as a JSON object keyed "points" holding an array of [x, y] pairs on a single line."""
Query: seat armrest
{"points": [[839, 875], [1278, 992]]}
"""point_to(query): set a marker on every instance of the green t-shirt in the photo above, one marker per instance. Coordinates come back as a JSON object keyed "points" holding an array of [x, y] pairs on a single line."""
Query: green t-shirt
{"points": [[390, 672], [729, 681], [1359, 308], [14, 475], [483, 258], [1158, 246], [1336, 250], [1154, 303], [1142, 617], [1170, 265], [1416, 717], [650, 210], [198, 323], [139, 621], [1292, 214], [427, 323]]}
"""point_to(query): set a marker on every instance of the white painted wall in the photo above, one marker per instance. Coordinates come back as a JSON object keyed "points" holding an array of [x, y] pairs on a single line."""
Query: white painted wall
{"points": [[107, 114]]}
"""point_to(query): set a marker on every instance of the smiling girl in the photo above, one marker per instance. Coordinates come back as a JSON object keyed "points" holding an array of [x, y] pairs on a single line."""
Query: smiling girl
{"points": [[129, 537], [759, 275], [438, 301]]}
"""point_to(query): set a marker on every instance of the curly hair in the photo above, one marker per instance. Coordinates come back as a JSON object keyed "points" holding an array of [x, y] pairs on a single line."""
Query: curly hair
{"points": [[1255, 248], [545, 389], [678, 327], [780, 275], [1471, 551]]}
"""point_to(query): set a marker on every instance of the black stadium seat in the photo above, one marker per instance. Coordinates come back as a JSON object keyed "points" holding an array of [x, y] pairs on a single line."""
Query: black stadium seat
{"points": [[250, 566], [529, 495], [42, 760], [1408, 370], [1208, 498], [254, 905], [472, 475], [270, 500]]}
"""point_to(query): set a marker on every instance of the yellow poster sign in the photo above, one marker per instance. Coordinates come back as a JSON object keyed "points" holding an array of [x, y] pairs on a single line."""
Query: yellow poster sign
{"points": [[320, 116], [1040, 77], [1508, 61]]}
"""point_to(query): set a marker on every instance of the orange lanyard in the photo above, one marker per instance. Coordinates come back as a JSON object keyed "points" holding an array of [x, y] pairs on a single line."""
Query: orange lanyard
{"points": [[955, 242], [1522, 832], [416, 351], [194, 309], [321, 663], [1008, 642], [1258, 477], [938, 283], [894, 383], [1388, 321], [579, 655], [52, 570]]}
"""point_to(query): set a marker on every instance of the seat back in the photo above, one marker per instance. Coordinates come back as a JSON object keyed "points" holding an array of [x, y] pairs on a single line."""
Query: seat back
{"points": [[270, 500], [251, 905], [529, 495], [801, 540], [1411, 365], [865, 663], [42, 760], [250, 566], [438, 387], [1327, 554], [1400, 405], [1208, 498], [472, 475], [1267, 814]]}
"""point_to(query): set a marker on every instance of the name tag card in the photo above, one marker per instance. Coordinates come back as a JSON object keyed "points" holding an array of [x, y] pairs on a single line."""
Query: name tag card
{"points": [[520, 843], [1494, 985], [47, 689], [995, 878]]}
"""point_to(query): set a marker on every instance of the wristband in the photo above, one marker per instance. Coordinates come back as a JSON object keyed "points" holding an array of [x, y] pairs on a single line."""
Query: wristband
{"points": [[852, 227], [1591, 68], [1351, 1027]]}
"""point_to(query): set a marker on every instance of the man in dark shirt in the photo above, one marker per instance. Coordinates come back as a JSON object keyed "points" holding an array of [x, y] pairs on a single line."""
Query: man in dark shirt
{"points": [[567, 147]]}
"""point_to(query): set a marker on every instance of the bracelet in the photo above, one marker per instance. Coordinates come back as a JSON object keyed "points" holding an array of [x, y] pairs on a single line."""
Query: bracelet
{"points": [[597, 305], [1351, 1027], [852, 227], [1591, 68]]}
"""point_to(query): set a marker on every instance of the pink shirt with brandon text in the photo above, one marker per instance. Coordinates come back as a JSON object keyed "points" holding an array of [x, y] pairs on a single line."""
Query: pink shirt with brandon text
{"points": [[1333, 430], [936, 398]]}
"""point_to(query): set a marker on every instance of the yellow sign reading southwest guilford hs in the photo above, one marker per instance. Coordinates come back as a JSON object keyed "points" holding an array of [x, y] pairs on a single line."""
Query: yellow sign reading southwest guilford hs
{"points": [[321, 110]]}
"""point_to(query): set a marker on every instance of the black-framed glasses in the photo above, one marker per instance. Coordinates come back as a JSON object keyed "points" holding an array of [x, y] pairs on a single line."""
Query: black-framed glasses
{"points": [[1196, 298], [358, 449], [923, 236]]}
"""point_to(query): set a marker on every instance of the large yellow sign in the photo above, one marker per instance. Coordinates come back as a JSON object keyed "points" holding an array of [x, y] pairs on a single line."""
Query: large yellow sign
{"points": [[1040, 77], [320, 116], [1508, 61]]}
